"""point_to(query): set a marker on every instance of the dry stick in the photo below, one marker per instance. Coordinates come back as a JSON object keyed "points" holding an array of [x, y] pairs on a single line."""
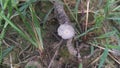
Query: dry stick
{"points": [[16, 43], [55, 53], [94, 61], [87, 15], [11, 61], [101, 47], [114, 59], [6, 43], [85, 11], [22, 52]]}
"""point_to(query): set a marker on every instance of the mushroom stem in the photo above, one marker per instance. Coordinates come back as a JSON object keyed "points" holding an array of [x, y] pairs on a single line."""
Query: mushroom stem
{"points": [[65, 30], [59, 12]]}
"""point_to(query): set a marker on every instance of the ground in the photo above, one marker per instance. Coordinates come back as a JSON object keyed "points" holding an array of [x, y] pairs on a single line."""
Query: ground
{"points": [[96, 40]]}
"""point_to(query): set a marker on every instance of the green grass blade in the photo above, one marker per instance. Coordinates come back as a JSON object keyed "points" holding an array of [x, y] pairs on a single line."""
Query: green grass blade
{"points": [[0, 54], [3, 31], [6, 52], [113, 47], [117, 8], [37, 28], [92, 50], [71, 13], [80, 65], [103, 58], [4, 4], [98, 19], [91, 29], [16, 28], [76, 8], [106, 35], [114, 18], [46, 17]]}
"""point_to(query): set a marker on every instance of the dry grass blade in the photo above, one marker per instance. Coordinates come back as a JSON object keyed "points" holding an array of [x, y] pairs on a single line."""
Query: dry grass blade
{"points": [[37, 29], [57, 49], [114, 59], [87, 14]]}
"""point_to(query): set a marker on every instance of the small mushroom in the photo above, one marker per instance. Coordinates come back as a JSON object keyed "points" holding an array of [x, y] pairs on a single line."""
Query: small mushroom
{"points": [[66, 31]]}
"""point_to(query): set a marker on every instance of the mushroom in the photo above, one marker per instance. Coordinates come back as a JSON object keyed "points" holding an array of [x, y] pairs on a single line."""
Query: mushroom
{"points": [[66, 31]]}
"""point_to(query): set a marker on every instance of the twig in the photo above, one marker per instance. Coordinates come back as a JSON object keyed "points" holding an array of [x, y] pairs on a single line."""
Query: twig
{"points": [[87, 14], [114, 59], [22, 52], [6, 43], [102, 48], [85, 11], [94, 61], [16, 43], [11, 63]]}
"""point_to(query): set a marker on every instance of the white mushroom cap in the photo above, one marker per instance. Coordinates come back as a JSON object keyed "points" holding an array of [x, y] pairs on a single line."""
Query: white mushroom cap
{"points": [[66, 31]]}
